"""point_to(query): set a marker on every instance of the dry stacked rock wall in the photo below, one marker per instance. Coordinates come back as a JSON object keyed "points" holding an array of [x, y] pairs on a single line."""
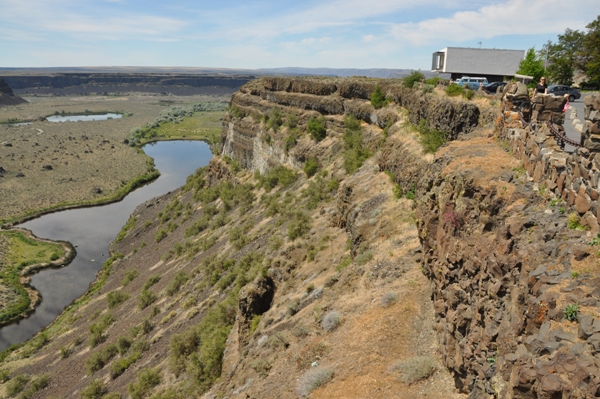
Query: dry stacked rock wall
{"points": [[573, 177], [590, 130]]}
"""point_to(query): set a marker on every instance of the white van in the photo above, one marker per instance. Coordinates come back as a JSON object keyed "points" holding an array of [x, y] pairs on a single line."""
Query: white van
{"points": [[471, 83]]}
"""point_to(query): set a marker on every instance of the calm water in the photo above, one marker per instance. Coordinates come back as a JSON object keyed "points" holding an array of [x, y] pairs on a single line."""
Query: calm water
{"points": [[92, 230], [77, 118]]}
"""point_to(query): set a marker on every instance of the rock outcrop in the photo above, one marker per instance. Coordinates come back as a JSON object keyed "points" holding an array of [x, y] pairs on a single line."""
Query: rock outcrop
{"points": [[7, 97]]}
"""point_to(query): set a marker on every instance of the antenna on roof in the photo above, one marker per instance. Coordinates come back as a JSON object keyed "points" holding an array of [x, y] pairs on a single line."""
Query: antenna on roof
{"points": [[479, 44]]}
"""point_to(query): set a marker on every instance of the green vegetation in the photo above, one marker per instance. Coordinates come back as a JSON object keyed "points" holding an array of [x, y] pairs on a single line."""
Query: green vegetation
{"points": [[146, 299], [414, 77], [146, 380], [199, 350], [128, 226], [130, 275], [316, 128], [454, 90], [378, 99], [98, 360], [17, 384], [200, 121], [311, 166], [277, 176], [355, 154], [299, 225], [98, 329], [94, 390], [431, 139], [178, 281], [574, 222], [532, 65], [275, 120], [115, 298], [571, 312], [22, 251]]}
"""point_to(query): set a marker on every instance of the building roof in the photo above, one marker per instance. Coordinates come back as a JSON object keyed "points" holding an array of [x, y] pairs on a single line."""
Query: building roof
{"points": [[481, 61]]}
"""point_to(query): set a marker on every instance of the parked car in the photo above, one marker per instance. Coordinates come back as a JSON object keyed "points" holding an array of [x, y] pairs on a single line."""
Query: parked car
{"points": [[471, 83], [494, 86], [561, 90]]}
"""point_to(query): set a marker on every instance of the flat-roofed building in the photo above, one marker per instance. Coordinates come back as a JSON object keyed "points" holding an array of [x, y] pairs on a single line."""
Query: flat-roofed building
{"points": [[493, 64]]}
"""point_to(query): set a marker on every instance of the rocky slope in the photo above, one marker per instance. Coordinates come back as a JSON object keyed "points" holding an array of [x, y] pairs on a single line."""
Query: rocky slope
{"points": [[7, 97], [376, 271]]}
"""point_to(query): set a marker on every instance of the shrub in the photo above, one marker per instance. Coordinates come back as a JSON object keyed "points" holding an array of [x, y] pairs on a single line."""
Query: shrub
{"points": [[275, 120], [279, 175], [415, 369], [431, 139], [160, 235], [146, 379], [414, 77], [574, 221], [571, 312], [388, 298], [354, 152], [468, 94], [178, 281], [290, 141], [129, 276], [378, 99], [94, 390], [146, 299], [454, 90], [16, 384], [254, 323], [316, 128], [36, 385], [364, 257], [299, 225], [99, 359], [433, 81], [152, 280], [310, 167], [123, 345], [331, 320], [313, 379], [115, 298]]}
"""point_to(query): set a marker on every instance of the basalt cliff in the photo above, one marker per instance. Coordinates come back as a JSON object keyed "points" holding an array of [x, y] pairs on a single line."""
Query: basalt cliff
{"points": [[323, 254]]}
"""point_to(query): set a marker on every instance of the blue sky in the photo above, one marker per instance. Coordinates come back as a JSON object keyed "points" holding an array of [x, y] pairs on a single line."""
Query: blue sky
{"points": [[265, 33]]}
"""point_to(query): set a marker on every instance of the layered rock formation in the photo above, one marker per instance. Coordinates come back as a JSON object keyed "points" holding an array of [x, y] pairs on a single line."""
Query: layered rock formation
{"points": [[7, 97]]}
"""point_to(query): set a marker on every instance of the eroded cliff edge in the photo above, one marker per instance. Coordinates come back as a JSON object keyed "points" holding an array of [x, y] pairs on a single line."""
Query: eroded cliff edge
{"points": [[505, 267], [346, 253]]}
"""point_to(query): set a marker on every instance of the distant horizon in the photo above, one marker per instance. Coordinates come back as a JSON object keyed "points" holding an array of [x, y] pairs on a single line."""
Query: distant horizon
{"points": [[264, 34]]}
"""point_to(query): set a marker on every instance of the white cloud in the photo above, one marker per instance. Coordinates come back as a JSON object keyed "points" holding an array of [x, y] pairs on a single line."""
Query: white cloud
{"points": [[514, 17]]}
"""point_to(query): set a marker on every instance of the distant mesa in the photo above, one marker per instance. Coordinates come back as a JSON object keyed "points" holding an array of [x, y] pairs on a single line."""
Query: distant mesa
{"points": [[7, 97]]}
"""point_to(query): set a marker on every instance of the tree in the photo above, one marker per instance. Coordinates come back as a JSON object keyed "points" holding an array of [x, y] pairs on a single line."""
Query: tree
{"points": [[591, 51], [414, 77], [564, 56], [532, 65]]}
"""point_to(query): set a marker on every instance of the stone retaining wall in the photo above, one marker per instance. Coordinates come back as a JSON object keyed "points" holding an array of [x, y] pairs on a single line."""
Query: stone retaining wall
{"points": [[573, 177]]}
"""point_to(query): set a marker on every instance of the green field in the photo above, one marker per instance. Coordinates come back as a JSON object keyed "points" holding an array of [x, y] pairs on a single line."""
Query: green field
{"points": [[19, 251]]}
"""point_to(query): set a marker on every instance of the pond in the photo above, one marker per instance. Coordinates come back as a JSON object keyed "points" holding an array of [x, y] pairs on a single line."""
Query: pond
{"points": [[91, 230], [84, 118]]}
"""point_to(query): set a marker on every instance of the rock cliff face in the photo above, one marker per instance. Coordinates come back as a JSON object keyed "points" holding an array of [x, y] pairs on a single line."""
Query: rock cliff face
{"points": [[258, 281], [507, 271], [80, 83], [7, 97]]}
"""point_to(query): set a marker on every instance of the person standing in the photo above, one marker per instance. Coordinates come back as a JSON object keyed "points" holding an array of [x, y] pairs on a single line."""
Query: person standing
{"points": [[541, 88]]}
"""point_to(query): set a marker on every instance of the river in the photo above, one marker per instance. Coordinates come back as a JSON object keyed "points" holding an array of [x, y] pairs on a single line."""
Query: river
{"points": [[91, 230]]}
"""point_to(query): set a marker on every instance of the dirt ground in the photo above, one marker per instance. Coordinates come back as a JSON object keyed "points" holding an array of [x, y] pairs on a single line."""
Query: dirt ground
{"points": [[45, 163]]}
